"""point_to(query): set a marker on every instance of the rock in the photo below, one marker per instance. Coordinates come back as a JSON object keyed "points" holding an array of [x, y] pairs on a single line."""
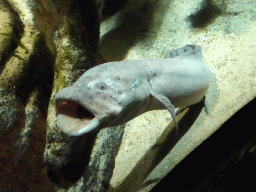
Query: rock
{"points": [[149, 150]]}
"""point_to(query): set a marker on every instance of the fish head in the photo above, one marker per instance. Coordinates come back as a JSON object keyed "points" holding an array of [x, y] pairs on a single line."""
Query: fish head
{"points": [[82, 109]]}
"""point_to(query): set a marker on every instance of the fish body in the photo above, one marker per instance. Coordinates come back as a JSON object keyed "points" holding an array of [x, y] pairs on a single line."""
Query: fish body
{"points": [[113, 93]]}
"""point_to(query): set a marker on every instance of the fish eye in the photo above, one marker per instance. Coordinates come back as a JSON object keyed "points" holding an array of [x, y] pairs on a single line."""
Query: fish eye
{"points": [[102, 87]]}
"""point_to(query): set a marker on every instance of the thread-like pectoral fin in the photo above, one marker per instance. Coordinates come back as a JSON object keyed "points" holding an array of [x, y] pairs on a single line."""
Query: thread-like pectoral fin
{"points": [[167, 103], [206, 106]]}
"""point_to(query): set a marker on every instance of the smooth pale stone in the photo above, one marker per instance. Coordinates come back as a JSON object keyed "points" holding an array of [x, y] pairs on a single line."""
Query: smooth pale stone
{"points": [[229, 49]]}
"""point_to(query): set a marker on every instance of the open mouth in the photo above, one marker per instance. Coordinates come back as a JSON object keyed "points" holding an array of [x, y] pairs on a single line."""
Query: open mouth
{"points": [[72, 116]]}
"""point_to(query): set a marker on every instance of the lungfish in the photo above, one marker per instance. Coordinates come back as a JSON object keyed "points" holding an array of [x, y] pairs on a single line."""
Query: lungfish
{"points": [[114, 93]]}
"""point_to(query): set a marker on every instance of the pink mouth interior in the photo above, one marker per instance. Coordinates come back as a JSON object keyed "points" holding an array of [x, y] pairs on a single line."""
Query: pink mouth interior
{"points": [[71, 116]]}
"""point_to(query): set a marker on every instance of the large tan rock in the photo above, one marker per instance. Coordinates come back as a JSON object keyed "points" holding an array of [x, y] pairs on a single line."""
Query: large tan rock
{"points": [[149, 149]]}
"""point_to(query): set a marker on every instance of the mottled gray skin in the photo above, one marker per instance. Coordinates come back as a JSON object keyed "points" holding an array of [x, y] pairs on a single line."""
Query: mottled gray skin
{"points": [[116, 92]]}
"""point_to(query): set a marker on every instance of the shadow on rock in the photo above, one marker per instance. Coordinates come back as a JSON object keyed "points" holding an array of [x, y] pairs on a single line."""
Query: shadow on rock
{"points": [[160, 150], [74, 165]]}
